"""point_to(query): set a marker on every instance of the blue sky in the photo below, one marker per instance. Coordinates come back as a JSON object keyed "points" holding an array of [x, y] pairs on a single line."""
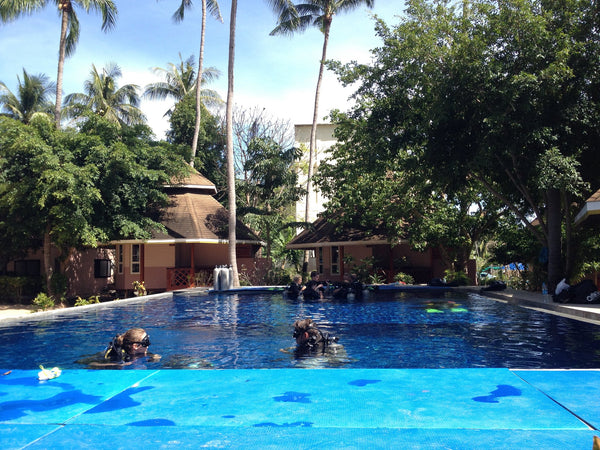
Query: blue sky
{"points": [[273, 72]]}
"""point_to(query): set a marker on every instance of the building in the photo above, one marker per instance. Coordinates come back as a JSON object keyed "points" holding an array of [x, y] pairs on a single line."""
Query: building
{"points": [[195, 240]]}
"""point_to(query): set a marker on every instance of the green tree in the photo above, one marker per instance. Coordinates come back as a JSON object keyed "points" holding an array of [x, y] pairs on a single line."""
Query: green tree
{"points": [[297, 18], [270, 191], [180, 81], [211, 140], [498, 97], [79, 188], [103, 97], [69, 29], [31, 98], [212, 7]]}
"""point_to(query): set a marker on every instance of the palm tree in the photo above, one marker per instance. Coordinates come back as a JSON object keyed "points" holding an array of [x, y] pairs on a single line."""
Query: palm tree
{"points": [[69, 30], [103, 97], [180, 81], [230, 157], [31, 98], [213, 8], [297, 18]]}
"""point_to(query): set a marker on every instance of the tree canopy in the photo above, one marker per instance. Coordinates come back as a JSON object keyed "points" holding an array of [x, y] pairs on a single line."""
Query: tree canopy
{"points": [[495, 99], [80, 187]]}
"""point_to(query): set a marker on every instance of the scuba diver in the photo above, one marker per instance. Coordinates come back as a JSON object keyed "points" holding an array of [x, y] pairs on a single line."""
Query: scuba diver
{"points": [[313, 289], [129, 346], [294, 290], [124, 349], [310, 340]]}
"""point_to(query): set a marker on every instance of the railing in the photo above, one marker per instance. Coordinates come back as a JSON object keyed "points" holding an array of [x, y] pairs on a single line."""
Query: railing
{"points": [[185, 277]]}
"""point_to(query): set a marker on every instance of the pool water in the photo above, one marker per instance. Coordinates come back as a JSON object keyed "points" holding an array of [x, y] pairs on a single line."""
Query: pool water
{"points": [[384, 330]]}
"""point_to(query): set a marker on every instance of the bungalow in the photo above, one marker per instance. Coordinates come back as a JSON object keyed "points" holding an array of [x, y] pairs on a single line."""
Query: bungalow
{"points": [[195, 240], [338, 252]]}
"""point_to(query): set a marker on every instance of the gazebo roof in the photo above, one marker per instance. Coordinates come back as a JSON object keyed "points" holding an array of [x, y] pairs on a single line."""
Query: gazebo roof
{"points": [[324, 234], [591, 208]]}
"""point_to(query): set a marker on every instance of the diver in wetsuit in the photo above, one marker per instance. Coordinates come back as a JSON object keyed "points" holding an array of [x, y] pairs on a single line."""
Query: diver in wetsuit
{"points": [[310, 340], [313, 289]]}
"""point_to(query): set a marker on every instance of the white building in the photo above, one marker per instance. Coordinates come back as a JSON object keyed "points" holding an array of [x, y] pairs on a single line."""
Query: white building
{"points": [[325, 140]]}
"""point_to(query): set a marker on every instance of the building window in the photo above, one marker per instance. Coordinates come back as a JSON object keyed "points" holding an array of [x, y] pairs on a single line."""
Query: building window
{"points": [[135, 258], [335, 259], [320, 259], [120, 258], [27, 268], [102, 268]]}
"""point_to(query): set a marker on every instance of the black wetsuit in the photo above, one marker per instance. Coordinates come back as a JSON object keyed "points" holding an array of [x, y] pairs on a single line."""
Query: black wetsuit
{"points": [[311, 291], [293, 290]]}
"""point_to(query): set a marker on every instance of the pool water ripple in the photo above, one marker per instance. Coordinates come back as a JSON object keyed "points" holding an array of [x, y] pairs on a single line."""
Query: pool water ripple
{"points": [[384, 330]]}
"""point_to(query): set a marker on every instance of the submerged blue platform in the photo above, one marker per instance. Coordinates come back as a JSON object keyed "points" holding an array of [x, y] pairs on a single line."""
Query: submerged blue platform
{"points": [[301, 409]]}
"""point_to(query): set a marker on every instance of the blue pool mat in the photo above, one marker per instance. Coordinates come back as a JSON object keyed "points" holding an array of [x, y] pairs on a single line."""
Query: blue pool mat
{"points": [[576, 390], [354, 408]]}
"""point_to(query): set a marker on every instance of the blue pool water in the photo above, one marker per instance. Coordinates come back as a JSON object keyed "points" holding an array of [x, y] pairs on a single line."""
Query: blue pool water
{"points": [[385, 330]]}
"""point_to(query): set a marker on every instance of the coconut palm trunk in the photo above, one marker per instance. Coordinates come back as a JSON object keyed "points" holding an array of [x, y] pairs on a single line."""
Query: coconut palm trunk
{"points": [[230, 160], [198, 90], [64, 23], [312, 152]]}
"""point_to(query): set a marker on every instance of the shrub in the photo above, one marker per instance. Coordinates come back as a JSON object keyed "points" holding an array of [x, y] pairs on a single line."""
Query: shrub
{"points": [[459, 277], [82, 301], [404, 278], [44, 302]]}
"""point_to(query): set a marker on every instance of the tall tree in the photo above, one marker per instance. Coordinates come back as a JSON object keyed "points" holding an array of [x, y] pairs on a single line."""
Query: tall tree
{"points": [[270, 189], [32, 97], [230, 156], [298, 18], [180, 80], [80, 187], [103, 97], [212, 7], [69, 29], [498, 94]]}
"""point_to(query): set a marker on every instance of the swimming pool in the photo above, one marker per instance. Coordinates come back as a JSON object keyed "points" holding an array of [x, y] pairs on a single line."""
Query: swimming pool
{"points": [[384, 330]]}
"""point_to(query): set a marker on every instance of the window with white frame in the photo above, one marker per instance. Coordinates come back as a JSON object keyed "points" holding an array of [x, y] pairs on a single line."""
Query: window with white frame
{"points": [[135, 258], [320, 259], [335, 259]]}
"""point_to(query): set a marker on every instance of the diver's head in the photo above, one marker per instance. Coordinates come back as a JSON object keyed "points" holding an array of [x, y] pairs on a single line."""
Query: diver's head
{"points": [[306, 332], [136, 341]]}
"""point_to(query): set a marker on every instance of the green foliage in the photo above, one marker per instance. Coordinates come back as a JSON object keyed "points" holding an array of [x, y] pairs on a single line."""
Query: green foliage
{"points": [[12, 288], [59, 284], [89, 301], [98, 183], [458, 277], [487, 105], [103, 97], [44, 302], [211, 142], [404, 278], [33, 97]]}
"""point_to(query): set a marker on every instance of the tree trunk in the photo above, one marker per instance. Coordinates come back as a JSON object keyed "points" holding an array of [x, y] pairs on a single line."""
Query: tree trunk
{"points": [[554, 216], [48, 266], [230, 160], [198, 87], [312, 152], [61, 63]]}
